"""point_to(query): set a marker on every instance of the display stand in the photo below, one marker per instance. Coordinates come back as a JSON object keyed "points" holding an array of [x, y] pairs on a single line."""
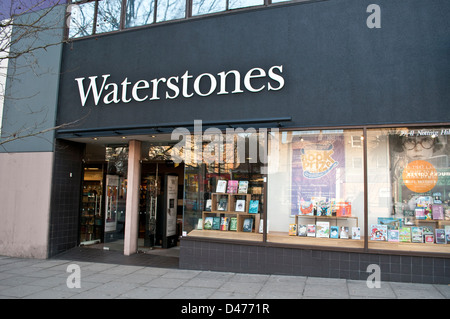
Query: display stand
{"points": [[219, 209], [169, 234]]}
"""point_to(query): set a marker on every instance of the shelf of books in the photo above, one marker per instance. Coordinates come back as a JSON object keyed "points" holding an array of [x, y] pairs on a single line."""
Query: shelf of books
{"points": [[313, 230], [410, 234], [230, 213]]}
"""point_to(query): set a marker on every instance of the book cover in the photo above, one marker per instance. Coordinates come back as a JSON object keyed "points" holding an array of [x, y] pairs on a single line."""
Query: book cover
{"points": [[344, 209], [216, 223], [208, 205], [200, 223], [447, 234], [437, 198], [390, 222], [393, 235], [334, 232], [356, 232], [429, 239], [221, 186], [447, 214], [324, 209], [243, 187], [240, 205], [254, 206], [419, 212], [233, 223], [428, 213], [306, 208], [261, 226], [378, 232], [222, 204], [302, 230], [417, 234], [440, 236], [311, 231], [437, 211], [232, 187], [292, 229], [248, 225], [424, 201], [208, 223], [404, 234], [344, 232], [323, 229], [224, 222]]}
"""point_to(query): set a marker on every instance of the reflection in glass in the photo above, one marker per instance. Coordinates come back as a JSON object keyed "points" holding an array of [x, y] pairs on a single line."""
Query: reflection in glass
{"points": [[108, 16], [235, 4], [200, 7], [81, 20], [170, 10], [139, 12]]}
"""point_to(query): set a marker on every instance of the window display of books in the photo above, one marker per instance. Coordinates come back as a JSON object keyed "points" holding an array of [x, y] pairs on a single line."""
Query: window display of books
{"points": [[318, 206], [403, 231], [324, 230], [231, 208]]}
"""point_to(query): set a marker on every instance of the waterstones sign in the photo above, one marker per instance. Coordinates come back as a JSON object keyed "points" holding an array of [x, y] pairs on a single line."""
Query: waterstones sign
{"points": [[103, 90]]}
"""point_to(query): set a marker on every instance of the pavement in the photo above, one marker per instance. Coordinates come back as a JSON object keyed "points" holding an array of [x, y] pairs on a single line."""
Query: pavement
{"points": [[66, 278]]}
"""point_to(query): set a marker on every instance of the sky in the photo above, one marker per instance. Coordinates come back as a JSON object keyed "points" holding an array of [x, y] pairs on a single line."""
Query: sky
{"points": [[9, 7]]}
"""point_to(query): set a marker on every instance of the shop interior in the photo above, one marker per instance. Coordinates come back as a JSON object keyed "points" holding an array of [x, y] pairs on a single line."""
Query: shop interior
{"points": [[104, 190]]}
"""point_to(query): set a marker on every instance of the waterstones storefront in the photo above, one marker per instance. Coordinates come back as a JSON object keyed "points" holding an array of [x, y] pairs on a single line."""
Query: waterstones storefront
{"points": [[284, 139]]}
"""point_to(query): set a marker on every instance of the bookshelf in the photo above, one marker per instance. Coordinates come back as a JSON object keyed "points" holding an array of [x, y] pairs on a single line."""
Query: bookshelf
{"points": [[226, 205]]}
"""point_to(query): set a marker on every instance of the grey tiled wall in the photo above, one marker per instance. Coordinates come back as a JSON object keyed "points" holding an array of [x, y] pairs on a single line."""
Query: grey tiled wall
{"points": [[214, 256], [65, 205]]}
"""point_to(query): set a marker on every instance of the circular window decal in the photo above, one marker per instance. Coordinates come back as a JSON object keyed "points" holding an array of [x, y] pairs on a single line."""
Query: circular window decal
{"points": [[420, 176]]}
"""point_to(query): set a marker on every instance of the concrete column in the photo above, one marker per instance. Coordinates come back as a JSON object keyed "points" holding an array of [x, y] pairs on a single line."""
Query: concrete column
{"points": [[132, 207]]}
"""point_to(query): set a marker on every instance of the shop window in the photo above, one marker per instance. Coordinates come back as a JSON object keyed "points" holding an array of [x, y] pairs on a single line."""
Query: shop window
{"points": [[200, 7], [409, 195], [224, 187], [315, 190], [82, 20], [108, 16], [170, 10], [139, 12]]}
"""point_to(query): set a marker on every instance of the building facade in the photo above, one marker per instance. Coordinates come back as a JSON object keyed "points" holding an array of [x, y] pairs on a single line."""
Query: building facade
{"points": [[299, 137]]}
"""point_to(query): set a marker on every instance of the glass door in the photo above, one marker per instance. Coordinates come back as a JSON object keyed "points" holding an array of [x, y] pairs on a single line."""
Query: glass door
{"points": [[115, 197], [91, 222]]}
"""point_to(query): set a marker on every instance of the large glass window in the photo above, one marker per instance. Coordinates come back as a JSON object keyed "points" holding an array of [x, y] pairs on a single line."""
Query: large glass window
{"points": [[224, 185], [409, 189], [139, 12], [208, 6], [170, 10], [108, 16], [82, 20], [316, 188], [90, 17]]}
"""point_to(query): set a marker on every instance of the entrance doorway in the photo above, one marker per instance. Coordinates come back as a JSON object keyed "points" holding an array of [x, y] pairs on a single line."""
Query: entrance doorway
{"points": [[106, 187], [160, 205]]}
